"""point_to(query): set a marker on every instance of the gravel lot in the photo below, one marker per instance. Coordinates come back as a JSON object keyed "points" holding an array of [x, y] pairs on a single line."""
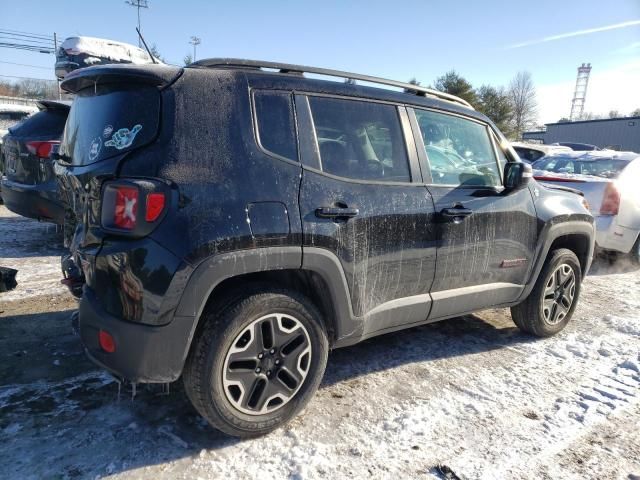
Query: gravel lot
{"points": [[465, 398]]}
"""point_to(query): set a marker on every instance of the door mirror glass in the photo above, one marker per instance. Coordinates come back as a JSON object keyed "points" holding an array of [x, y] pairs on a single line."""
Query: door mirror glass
{"points": [[517, 175]]}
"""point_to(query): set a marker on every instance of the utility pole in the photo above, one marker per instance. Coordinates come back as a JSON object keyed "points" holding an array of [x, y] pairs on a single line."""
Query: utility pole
{"points": [[195, 41], [138, 4], [55, 52]]}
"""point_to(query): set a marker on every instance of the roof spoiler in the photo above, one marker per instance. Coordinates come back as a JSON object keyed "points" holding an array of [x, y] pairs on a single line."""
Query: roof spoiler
{"points": [[155, 75], [54, 104]]}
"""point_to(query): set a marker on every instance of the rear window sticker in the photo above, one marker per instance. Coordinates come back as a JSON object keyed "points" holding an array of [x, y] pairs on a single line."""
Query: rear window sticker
{"points": [[123, 137], [94, 148], [108, 130]]}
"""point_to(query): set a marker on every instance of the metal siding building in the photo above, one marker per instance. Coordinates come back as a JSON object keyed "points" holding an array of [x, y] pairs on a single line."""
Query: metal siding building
{"points": [[618, 133]]}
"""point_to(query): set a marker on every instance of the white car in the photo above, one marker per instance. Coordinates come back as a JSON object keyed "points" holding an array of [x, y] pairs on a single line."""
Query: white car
{"points": [[530, 152], [610, 182]]}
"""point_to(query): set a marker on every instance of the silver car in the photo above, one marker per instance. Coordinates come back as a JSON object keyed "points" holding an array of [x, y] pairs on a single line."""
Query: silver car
{"points": [[610, 182]]}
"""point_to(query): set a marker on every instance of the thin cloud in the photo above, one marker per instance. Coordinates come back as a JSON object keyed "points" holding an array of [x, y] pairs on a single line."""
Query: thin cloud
{"points": [[577, 33], [629, 48]]}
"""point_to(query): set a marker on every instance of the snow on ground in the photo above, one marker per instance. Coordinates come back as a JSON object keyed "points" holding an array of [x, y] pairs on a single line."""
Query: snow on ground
{"points": [[470, 396], [34, 249]]}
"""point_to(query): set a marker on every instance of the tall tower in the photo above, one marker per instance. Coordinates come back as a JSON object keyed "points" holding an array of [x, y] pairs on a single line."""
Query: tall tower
{"points": [[580, 94]]}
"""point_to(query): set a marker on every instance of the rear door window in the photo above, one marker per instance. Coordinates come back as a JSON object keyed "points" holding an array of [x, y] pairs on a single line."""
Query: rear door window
{"points": [[109, 121], [360, 140], [275, 123]]}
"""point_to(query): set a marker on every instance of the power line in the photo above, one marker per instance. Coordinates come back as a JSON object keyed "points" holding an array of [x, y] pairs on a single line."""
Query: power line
{"points": [[29, 38], [18, 32], [25, 65], [28, 78], [32, 48], [29, 41]]}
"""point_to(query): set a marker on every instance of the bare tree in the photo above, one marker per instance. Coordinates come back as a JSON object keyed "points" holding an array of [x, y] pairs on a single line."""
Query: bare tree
{"points": [[37, 88], [614, 114], [635, 113], [522, 93]]}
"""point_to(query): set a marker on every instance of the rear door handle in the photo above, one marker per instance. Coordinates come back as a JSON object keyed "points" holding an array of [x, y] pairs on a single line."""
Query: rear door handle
{"points": [[455, 212], [336, 212]]}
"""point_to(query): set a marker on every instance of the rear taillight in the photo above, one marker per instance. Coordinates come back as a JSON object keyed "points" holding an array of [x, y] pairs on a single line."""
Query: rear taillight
{"points": [[610, 200], [132, 206], [42, 149], [125, 212], [155, 205]]}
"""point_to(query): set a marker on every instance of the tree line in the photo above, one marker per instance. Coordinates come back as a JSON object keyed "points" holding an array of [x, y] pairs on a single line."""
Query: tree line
{"points": [[514, 108], [30, 88]]}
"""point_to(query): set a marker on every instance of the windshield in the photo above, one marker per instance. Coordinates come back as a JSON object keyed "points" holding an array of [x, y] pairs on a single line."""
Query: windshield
{"points": [[110, 120], [606, 167]]}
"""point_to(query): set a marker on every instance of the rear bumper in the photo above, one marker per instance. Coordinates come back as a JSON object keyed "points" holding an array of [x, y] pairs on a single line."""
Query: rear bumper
{"points": [[611, 236], [33, 201], [143, 353]]}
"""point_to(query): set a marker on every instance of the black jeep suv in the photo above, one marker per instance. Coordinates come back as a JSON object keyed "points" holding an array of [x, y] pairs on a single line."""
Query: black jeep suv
{"points": [[234, 220]]}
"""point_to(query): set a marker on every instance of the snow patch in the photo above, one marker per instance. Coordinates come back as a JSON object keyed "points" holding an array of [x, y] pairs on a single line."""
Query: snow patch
{"points": [[109, 49]]}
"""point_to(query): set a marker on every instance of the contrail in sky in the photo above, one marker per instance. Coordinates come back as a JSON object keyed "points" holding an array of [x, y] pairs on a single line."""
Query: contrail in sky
{"points": [[577, 33]]}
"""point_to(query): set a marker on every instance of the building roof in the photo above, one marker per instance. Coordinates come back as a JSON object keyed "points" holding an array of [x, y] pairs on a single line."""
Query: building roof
{"points": [[595, 120]]}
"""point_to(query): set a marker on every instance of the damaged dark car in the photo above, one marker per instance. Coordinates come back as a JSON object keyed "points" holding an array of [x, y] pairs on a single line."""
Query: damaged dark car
{"points": [[232, 221]]}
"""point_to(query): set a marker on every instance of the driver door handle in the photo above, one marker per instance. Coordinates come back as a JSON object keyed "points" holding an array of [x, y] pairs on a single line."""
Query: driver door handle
{"points": [[336, 212]]}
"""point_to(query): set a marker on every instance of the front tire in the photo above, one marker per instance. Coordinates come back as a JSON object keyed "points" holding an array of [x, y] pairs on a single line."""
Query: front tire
{"points": [[551, 303], [255, 365]]}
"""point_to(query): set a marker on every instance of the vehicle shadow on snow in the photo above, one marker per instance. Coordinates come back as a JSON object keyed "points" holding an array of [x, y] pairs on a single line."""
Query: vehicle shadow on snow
{"points": [[67, 419], [459, 336]]}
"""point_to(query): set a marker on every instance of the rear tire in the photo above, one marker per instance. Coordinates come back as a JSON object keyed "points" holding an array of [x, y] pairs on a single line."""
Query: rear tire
{"points": [[551, 303], [255, 365]]}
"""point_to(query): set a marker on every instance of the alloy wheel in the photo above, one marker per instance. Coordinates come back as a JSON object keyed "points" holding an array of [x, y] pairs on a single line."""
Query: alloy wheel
{"points": [[559, 294], [267, 364]]}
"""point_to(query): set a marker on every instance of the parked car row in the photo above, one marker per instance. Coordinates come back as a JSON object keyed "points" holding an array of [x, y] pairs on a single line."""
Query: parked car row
{"points": [[233, 246]]}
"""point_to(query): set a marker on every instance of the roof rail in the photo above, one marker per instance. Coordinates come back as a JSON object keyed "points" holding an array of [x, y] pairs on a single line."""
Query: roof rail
{"points": [[301, 69]]}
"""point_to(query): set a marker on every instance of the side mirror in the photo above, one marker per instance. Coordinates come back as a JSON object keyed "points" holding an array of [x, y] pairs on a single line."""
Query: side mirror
{"points": [[517, 175]]}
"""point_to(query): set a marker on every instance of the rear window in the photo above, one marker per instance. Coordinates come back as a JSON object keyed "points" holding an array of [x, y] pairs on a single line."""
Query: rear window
{"points": [[108, 121], [606, 168], [44, 123]]}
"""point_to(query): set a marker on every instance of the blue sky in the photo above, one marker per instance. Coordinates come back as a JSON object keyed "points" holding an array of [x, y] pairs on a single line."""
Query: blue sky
{"points": [[397, 39]]}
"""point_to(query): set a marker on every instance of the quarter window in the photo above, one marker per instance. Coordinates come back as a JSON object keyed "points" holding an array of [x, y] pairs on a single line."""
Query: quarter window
{"points": [[275, 123], [460, 151], [360, 140]]}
